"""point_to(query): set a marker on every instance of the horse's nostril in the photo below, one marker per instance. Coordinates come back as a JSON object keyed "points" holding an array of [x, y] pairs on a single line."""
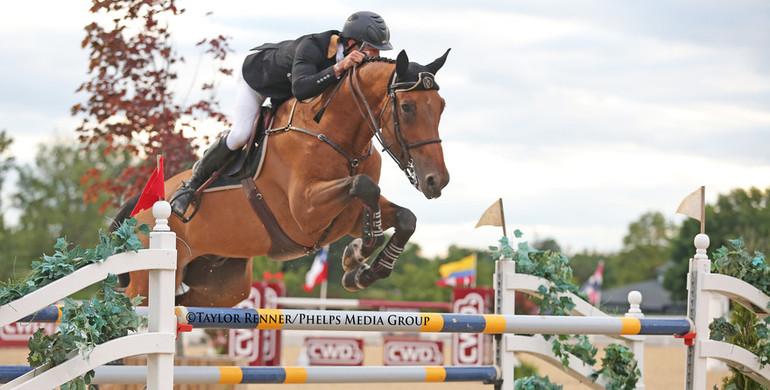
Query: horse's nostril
{"points": [[430, 181]]}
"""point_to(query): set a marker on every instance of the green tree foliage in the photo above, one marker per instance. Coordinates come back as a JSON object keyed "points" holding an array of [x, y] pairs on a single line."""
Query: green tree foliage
{"points": [[50, 196], [646, 247], [546, 244], [741, 213], [584, 264], [6, 164]]}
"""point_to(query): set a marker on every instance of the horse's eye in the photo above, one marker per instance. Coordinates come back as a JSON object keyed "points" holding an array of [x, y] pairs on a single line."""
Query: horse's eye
{"points": [[407, 107]]}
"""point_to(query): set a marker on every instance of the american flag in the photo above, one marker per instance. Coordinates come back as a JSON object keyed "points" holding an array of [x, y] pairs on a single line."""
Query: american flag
{"points": [[593, 287]]}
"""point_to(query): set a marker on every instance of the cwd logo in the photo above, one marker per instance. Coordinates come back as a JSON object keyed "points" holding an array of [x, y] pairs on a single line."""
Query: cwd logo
{"points": [[327, 351], [468, 347], [271, 338], [18, 334], [413, 352], [246, 342]]}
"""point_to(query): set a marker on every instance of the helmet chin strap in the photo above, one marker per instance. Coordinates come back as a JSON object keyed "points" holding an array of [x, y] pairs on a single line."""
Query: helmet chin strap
{"points": [[346, 50]]}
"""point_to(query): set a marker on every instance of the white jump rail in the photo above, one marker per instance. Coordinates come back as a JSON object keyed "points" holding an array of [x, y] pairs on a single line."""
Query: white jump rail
{"points": [[739, 291], [84, 277], [540, 347], [159, 341], [737, 357], [530, 284]]}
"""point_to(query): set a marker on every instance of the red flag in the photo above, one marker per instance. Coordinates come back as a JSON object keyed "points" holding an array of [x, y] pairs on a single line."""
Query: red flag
{"points": [[272, 276], [153, 191]]}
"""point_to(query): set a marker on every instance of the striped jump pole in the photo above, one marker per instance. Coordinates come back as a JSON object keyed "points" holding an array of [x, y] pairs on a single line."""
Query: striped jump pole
{"points": [[243, 375], [49, 314], [227, 318], [53, 314]]}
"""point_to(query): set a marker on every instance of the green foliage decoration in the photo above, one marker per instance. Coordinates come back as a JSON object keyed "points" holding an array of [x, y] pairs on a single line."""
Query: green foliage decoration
{"points": [[67, 260], [743, 328], [83, 326], [535, 382], [554, 266], [619, 365], [735, 261]]}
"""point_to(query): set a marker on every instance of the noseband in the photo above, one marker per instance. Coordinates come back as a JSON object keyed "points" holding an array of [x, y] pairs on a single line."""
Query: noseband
{"points": [[425, 81]]}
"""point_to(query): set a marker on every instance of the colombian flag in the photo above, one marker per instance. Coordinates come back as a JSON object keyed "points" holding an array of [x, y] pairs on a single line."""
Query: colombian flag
{"points": [[458, 273]]}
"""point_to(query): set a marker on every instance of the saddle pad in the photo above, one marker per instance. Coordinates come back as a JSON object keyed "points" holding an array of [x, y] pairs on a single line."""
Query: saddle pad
{"points": [[242, 167]]}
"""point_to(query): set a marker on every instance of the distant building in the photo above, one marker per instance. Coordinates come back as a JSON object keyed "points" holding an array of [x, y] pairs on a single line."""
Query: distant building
{"points": [[655, 298]]}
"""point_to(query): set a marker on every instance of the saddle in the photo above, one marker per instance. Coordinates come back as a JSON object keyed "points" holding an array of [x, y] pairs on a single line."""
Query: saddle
{"points": [[246, 163]]}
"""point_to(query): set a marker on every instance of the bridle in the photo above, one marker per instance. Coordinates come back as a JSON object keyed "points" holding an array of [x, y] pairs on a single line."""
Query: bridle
{"points": [[425, 81]]}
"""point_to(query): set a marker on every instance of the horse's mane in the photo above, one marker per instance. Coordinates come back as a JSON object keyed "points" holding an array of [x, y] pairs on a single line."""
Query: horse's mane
{"points": [[378, 59]]}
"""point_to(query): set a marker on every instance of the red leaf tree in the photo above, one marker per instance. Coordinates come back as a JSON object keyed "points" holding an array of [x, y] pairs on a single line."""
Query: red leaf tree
{"points": [[131, 104]]}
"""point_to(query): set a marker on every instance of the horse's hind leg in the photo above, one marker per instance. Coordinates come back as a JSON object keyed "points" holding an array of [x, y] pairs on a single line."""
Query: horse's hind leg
{"points": [[216, 282], [363, 275]]}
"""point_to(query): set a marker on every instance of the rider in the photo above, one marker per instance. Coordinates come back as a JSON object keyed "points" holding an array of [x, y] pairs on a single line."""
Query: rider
{"points": [[302, 68]]}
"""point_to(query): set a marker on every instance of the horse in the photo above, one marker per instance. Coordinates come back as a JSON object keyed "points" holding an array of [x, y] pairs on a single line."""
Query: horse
{"points": [[319, 183]]}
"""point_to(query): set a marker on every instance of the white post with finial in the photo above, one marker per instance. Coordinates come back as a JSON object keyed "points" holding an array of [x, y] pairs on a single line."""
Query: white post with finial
{"points": [[505, 303], [698, 302], [636, 341], [160, 366]]}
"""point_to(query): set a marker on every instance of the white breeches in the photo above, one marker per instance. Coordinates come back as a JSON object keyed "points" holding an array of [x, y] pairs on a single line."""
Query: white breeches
{"points": [[247, 105]]}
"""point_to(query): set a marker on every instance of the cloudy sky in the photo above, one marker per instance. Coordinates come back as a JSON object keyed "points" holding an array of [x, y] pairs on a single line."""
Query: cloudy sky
{"points": [[580, 114]]}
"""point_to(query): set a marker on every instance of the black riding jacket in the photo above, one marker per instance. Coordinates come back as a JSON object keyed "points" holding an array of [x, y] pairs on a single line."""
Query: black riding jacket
{"points": [[302, 68]]}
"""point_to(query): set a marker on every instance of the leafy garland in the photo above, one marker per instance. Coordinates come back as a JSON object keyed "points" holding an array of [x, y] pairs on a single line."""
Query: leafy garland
{"points": [[744, 328], [618, 365], [66, 261], [83, 326], [535, 382]]}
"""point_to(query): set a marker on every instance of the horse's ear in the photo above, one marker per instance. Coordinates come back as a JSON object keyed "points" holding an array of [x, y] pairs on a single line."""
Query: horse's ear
{"points": [[402, 63], [434, 66]]}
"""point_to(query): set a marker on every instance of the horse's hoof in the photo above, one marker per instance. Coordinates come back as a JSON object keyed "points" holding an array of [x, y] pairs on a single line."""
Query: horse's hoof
{"points": [[351, 278], [352, 257]]}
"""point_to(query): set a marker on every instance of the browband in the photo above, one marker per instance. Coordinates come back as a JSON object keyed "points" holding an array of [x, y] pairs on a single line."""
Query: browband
{"points": [[425, 81]]}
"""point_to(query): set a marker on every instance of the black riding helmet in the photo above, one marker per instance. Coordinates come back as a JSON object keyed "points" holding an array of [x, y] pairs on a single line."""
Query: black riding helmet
{"points": [[367, 27]]}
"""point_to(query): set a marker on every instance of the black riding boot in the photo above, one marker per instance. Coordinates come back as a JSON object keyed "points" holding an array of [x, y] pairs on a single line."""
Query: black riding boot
{"points": [[212, 160]]}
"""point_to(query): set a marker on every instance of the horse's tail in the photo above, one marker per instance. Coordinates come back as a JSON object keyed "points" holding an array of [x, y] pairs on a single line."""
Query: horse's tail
{"points": [[123, 214]]}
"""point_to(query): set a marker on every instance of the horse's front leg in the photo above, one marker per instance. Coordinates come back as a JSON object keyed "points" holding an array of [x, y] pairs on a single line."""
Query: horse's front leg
{"points": [[372, 236], [404, 222]]}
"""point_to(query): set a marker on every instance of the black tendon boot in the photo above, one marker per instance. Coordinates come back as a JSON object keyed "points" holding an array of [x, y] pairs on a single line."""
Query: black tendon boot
{"points": [[213, 159]]}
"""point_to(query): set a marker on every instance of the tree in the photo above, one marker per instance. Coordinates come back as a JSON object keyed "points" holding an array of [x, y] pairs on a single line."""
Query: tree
{"points": [[646, 248], [584, 265], [547, 244], [131, 104], [6, 164], [50, 197], [741, 213]]}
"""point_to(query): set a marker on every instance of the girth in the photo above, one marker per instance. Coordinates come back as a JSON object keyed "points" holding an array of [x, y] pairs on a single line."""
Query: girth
{"points": [[283, 247]]}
